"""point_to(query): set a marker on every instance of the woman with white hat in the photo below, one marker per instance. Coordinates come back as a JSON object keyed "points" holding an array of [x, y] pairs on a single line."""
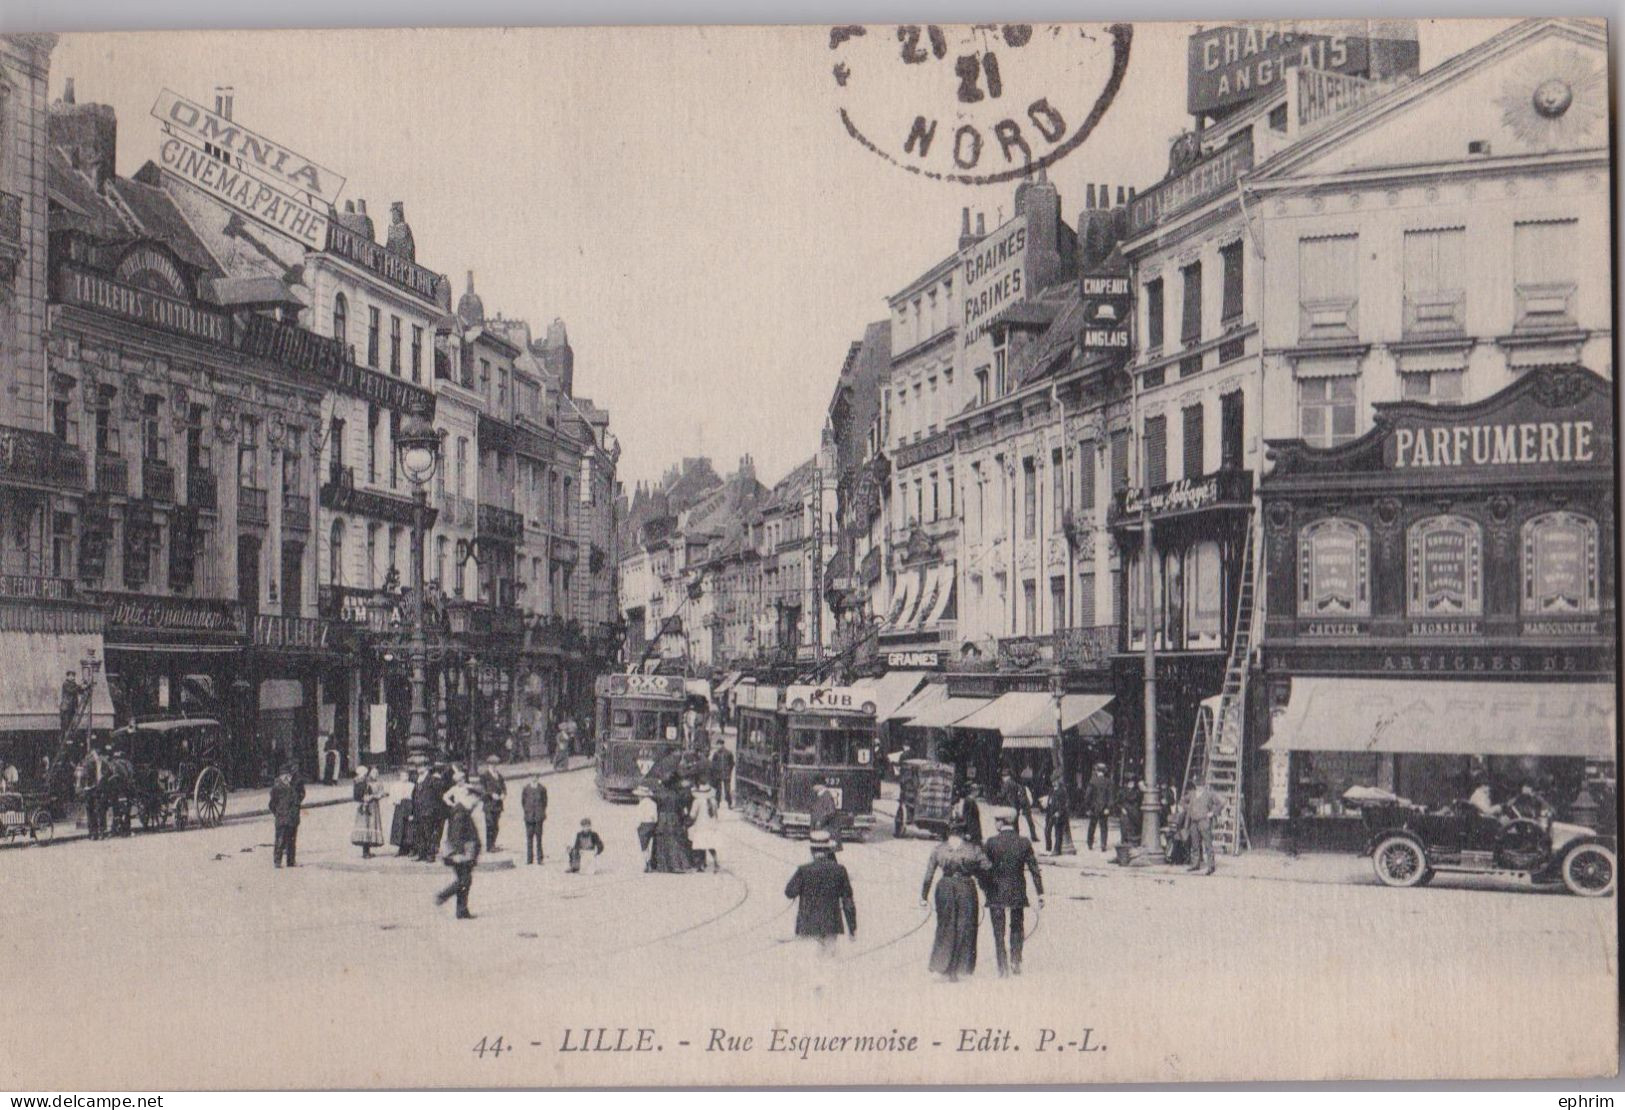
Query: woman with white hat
{"points": [[702, 827]]}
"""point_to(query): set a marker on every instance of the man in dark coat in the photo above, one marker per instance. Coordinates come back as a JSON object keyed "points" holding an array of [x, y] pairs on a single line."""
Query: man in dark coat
{"points": [[433, 812], [824, 815], [1014, 793], [1005, 882], [1097, 805], [967, 813], [286, 798], [495, 789], [1058, 820], [533, 803], [824, 890], [722, 773], [1202, 806], [462, 852]]}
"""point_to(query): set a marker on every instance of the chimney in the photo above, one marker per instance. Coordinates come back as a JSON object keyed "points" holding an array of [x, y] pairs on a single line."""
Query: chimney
{"points": [[1089, 197], [981, 226], [1120, 197], [363, 221], [86, 133], [966, 238], [224, 96]]}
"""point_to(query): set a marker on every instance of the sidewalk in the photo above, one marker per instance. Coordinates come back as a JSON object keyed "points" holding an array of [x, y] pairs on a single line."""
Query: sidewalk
{"points": [[1263, 864], [251, 804]]}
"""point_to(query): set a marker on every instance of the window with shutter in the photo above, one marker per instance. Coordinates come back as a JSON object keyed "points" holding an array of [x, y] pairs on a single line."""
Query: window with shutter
{"points": [[1192, 420], [1190, 324], [1232, 260], [1328, 277], [1231, 424], [1086, 475], [1153, 314], [1156, 451], [1435, 281], [1086, 599], [1543, 264], [1119, 461]]}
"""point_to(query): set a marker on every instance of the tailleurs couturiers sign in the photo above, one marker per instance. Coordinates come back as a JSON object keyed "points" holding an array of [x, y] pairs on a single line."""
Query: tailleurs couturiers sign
{"points": [[257, 176]]}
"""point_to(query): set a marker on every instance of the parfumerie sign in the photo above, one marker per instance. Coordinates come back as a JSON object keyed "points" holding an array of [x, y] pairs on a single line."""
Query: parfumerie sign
{"points": [[1510, 444], [252, 174]]}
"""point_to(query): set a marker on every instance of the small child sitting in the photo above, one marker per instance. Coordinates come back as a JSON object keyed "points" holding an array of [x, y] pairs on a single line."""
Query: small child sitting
{"points": [[585, 840]]}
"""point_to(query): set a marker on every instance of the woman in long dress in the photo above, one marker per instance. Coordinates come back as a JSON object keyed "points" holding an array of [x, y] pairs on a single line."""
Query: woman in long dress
{"points": [[702, 827], [958, 912], [671, 851], [369, 825]]}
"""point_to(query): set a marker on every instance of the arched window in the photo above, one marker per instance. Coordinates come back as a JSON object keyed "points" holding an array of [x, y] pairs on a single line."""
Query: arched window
{"points": [[341, 319], [1334, 569], [1446, 574], [335, 554], [1560, 564]]}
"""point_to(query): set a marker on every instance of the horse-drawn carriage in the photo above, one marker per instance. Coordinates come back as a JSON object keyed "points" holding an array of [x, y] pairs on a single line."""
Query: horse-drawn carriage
{"points": [[167, 770]]}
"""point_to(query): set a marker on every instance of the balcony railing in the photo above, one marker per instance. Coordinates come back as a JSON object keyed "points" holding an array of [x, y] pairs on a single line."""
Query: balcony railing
{"points": [[202, 488], [113, 475], [296, 512], [500, 523], [157, 481], [253, 506], [35, 458]]}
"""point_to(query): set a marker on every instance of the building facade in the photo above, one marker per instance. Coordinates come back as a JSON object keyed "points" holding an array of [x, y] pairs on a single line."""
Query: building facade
{"points": [[1438, 520]]}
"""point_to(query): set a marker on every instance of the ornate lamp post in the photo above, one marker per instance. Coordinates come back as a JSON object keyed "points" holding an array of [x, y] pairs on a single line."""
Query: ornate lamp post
{"points": [[419, 449]]}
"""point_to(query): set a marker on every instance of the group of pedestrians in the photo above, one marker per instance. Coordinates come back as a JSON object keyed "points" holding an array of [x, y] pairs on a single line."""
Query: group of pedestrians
{"points": [[678, 826], [997, 868]]}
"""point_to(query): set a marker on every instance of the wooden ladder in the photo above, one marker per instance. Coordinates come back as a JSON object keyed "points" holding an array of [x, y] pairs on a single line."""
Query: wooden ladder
{"points": [[1221, 762]]}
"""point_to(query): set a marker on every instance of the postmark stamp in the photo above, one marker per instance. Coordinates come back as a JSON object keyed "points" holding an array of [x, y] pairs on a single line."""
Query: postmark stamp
{"points": [[977, 103]]}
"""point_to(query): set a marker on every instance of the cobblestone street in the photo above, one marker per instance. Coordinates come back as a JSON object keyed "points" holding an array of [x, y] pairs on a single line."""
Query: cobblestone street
{"points": [[215, 956]]}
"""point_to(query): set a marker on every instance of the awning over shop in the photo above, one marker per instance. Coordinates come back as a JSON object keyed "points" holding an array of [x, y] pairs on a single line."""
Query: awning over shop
{"points": [[903, 612], [924, 698], [728, 682], [939, 594], [1026, 719], [32, 666], [948, 711], [1448, 718], [893, 689], [697, 688]]}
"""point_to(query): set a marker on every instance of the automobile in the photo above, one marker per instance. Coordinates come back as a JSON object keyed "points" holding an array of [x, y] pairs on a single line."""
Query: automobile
{"points": [[1409, 844]]}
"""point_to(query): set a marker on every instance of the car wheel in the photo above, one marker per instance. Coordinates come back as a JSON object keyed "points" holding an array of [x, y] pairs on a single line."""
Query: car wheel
{"points": [[1400, 861], [1590, 871]]}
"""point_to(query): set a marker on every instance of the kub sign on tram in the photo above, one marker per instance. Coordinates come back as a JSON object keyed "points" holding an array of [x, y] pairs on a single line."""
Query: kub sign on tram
{"points": [[812, 699]]}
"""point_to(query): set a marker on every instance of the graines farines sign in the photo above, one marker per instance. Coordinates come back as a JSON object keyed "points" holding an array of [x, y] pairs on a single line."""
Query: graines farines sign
{"points": [[993, 275]]}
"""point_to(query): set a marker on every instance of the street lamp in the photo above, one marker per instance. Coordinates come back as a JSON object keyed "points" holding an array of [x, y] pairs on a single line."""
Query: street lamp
{"points": [[418, 447]]}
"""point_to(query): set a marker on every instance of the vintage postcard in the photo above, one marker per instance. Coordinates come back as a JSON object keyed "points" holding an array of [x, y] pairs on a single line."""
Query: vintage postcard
{"points": [[1072, 554]]}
